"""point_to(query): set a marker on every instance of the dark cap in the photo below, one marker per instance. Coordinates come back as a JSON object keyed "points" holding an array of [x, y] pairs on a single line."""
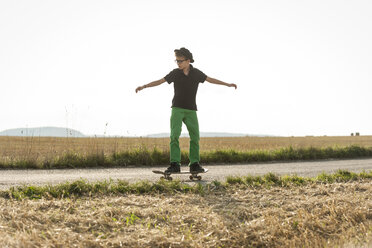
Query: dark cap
{"points": [[183, 52]]}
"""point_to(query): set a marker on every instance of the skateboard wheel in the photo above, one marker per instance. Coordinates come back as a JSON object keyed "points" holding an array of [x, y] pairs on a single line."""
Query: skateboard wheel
{"points": [[191, 178], [199, 178]]}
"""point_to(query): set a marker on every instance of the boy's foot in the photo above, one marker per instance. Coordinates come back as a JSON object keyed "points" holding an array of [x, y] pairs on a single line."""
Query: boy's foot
{"points": [[174, 167], [195, 167]]}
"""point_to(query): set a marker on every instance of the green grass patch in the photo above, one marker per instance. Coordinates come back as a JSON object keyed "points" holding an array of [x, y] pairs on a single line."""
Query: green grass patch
{"points": [[83, 188], [271, 179]]}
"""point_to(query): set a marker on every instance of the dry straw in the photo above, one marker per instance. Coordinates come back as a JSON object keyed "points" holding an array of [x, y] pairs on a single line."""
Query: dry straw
{"points": [[312, 215]]}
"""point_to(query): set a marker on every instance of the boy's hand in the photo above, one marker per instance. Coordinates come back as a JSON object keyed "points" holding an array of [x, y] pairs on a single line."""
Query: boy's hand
{"points": [[233, 85], [216, 81], [140, 88], [152, 84]]}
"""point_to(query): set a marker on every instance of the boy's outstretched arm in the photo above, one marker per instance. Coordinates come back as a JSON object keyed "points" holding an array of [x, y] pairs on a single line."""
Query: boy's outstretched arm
{"points": [[152, 84], [216, 81]]}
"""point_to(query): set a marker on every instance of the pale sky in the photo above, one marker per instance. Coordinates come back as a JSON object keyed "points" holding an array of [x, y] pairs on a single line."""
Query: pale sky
{"points": [[302, 67]]}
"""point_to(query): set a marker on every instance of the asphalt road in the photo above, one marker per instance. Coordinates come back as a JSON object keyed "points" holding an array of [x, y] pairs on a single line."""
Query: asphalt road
{"points": [[9, 178]]}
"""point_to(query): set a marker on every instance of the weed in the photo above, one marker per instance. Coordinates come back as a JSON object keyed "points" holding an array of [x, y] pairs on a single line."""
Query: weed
{"points": [[131, 219]]}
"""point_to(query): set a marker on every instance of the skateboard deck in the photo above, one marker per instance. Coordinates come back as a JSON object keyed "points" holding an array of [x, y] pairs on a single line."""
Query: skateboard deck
{"points": [[167, 176]]}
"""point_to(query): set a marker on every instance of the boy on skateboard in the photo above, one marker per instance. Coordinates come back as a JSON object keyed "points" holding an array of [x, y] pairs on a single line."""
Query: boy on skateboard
{"points": [[186, 80]]}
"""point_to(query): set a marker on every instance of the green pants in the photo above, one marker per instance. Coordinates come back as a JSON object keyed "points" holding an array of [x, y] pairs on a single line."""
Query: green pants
{"points": [[190, 119]]}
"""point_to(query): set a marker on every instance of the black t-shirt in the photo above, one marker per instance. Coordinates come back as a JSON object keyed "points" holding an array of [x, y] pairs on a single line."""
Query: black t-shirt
{"points": [[185, 87]]}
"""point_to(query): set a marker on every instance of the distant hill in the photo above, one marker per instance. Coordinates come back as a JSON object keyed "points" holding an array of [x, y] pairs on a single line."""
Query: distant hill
{"points": [[43, 132], [206, 134]]}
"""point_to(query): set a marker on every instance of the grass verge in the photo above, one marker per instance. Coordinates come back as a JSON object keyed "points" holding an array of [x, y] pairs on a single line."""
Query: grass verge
{"points": [[83, 188], [144, 157]]}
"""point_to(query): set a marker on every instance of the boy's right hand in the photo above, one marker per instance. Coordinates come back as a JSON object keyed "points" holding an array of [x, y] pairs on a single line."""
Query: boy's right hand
{"points": [[140, 88]]}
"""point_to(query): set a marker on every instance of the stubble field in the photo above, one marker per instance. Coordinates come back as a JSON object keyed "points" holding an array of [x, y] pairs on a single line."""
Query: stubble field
{"points": [[311, 215], [51, 146], [48, 152]]}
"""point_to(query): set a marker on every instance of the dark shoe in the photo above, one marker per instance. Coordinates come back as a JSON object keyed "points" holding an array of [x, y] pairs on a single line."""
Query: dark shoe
{"points": [[174, 167], [195, 167]]}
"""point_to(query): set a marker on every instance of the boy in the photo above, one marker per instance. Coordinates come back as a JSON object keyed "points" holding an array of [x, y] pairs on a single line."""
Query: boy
{"points": [[186, 80]]}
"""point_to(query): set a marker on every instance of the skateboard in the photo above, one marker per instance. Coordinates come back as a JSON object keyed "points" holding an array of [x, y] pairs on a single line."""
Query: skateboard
{"points": [[167, 176]]}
